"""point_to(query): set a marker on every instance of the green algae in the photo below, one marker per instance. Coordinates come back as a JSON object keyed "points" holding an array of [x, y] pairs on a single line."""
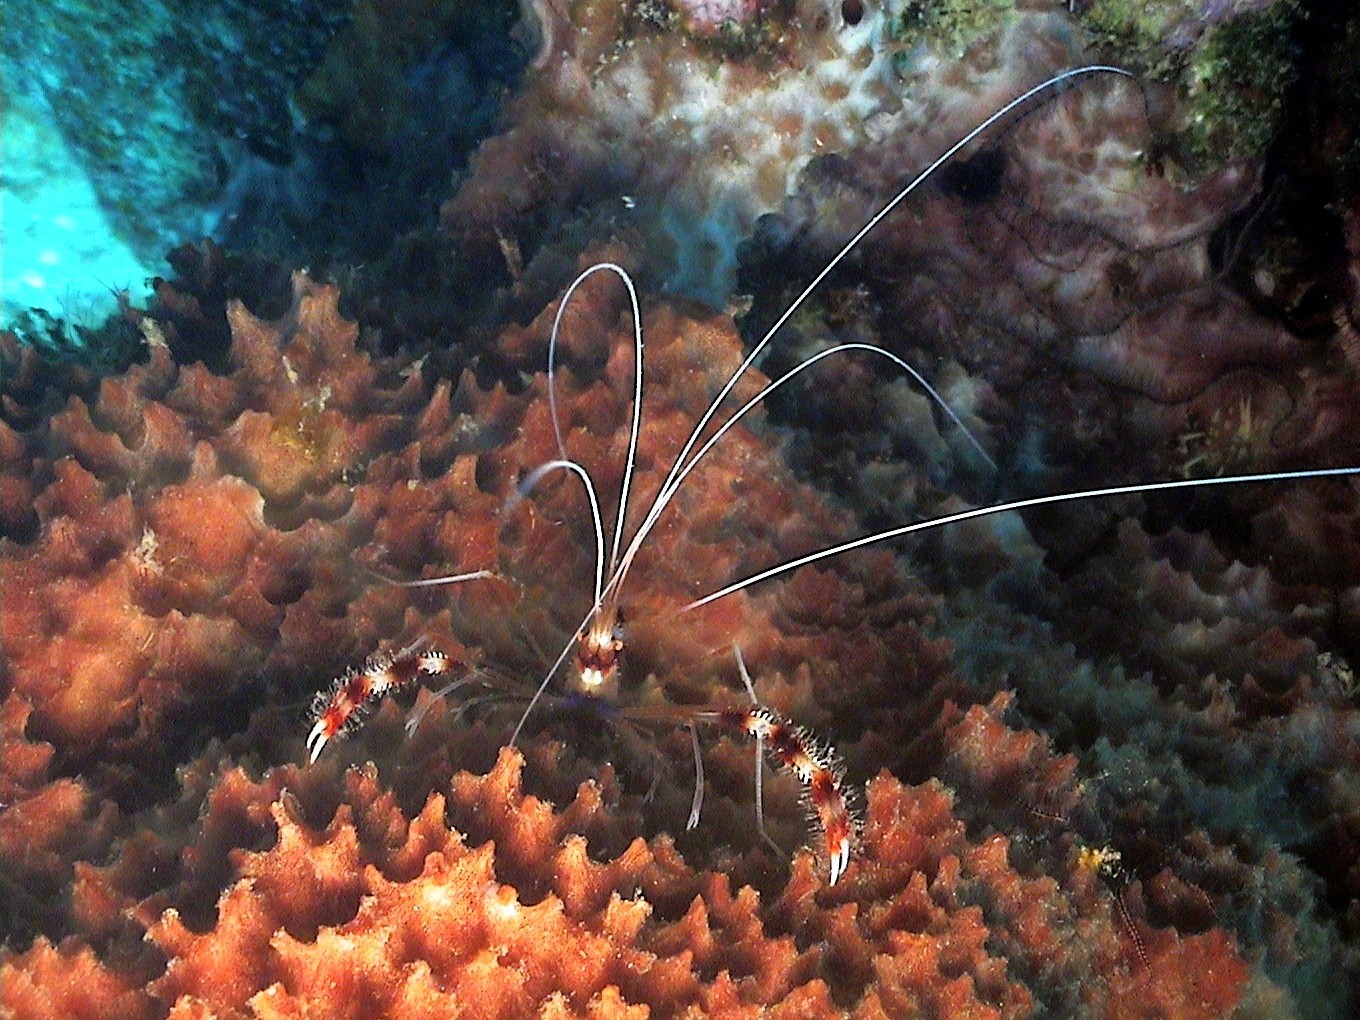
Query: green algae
{"points": [[1233, 72], [950, 26]]}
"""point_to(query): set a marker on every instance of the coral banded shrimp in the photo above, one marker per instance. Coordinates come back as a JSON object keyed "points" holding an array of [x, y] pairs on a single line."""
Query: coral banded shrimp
{"points": [[795, 751], [597, 640]]}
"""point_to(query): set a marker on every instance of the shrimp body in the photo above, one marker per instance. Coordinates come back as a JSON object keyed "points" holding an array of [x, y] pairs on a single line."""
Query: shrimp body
{"points": [[595, 647], [597, 656]]}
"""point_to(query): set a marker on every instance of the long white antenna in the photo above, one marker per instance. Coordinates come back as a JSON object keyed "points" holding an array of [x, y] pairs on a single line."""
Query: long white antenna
{"points": [[635, 427], [537, 475], [1019, 504], [681, 465]]}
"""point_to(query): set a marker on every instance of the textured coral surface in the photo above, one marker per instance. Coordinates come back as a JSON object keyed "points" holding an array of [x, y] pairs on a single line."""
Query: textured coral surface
{"points": [[208, 547], [1108, 753]]}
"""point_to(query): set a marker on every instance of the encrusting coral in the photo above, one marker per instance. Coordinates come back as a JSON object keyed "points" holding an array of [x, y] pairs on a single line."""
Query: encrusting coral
{"points": [[205, 556], [653, 100], [1083, 235], [1108, 754], [374, 914]]}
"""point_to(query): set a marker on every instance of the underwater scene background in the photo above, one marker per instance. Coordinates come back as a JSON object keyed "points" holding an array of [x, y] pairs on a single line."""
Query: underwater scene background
{"points": [[279, 284]]}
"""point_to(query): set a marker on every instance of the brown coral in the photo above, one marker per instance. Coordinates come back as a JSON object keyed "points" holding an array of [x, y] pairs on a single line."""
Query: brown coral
{"points": [[375, 915], [412, 883], [193, 549]]}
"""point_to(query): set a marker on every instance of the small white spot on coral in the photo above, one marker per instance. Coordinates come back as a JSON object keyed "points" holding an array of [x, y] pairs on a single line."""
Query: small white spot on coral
{"points": [[502, 905], [437, 897], [145, 555]]}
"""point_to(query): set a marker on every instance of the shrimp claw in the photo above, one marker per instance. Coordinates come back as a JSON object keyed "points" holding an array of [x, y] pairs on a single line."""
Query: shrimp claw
{"points": [[816, 765], [340, 710]]}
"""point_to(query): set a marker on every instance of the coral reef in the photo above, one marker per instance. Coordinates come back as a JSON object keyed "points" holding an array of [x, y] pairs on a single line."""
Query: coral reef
{"points": [[368, 913], [886, 86], [1234, 62], [1108, 753], [1056, 258], [208, 547]]}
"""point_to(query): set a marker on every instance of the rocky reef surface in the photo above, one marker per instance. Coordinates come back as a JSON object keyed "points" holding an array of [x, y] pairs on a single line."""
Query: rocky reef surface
{"points": [[1108, 752]]}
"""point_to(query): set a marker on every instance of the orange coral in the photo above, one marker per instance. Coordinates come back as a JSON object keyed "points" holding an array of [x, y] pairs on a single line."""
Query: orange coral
{"points": [[200, 530], [373, 915], [61, 982]]}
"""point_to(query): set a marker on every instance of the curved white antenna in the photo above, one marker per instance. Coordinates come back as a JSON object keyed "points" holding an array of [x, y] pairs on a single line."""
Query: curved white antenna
{"points": [[648, 522], [622, 274], [1019, 504], [430, 582], [682, 466], [696, 803], [537, 474]]}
